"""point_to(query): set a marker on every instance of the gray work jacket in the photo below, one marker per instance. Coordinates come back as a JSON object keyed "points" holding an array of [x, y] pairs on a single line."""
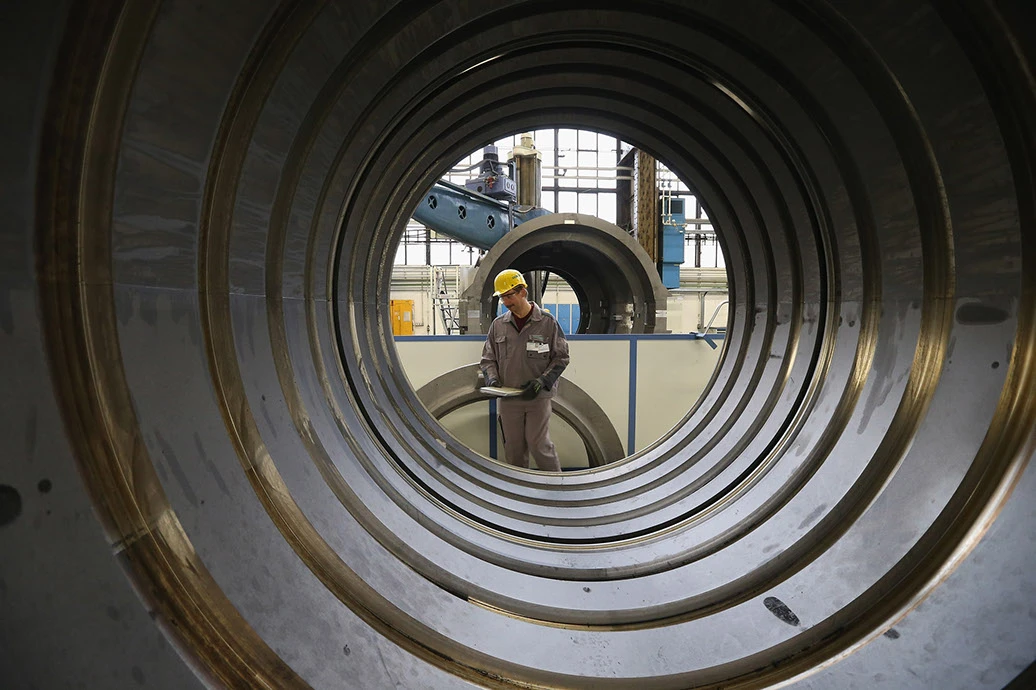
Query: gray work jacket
{"points": [[539, 350]]}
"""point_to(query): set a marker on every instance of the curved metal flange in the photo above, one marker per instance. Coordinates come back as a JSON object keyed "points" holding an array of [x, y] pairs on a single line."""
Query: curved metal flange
{"points": [[458, 388], [216, 207], [618, 288]]}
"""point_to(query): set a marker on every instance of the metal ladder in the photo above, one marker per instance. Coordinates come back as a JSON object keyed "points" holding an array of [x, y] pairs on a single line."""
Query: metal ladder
{"points": [[442, 298]]}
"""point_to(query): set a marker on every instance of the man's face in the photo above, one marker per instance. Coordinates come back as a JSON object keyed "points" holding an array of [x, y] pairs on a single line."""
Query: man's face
{"points": [[514, 299]]}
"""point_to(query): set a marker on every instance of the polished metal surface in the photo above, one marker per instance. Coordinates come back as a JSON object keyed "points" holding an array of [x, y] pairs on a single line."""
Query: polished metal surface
{"points": [[218, 475], [459, 387], [617, 286]]}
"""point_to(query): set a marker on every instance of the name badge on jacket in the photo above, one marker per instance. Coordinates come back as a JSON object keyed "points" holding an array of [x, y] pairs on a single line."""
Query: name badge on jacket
{"points": [[536, 346]]}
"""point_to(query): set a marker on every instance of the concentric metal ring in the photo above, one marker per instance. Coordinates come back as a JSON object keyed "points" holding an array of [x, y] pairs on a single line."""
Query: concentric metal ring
{"points": [[217, 227]]}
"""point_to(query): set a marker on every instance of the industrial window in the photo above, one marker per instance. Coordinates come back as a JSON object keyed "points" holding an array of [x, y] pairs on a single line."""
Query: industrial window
{"points": [[580, 174]]}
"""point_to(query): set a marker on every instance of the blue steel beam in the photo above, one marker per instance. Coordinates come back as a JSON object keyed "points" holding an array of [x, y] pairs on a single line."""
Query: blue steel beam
{"points": [[467, 216]]}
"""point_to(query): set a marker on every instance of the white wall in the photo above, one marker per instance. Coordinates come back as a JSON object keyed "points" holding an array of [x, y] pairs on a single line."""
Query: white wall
{"points": [[685, 311]]}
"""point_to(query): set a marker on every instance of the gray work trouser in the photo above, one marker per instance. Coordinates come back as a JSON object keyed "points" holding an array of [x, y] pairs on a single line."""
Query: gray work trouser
{"points": [[524, 424]]}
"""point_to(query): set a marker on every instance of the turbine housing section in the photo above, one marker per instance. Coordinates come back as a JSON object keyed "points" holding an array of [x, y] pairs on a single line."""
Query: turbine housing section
{"points": [[614, 280]]}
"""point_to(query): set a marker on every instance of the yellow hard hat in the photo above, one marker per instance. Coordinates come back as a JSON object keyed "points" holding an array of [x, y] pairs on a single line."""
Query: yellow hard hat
{"points": [[507, 280]]}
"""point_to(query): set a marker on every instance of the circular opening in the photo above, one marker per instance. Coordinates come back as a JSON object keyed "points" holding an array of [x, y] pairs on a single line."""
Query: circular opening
{"points": [[570, 224], [186, 225]]}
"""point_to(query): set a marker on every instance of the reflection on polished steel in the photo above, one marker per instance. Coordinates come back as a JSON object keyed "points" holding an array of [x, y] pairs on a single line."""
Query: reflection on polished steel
{"points": [[219, 474], [617, 286], [457, 388]]}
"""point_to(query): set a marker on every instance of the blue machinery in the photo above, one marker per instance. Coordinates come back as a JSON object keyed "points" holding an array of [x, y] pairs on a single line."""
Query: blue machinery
{"points": [[469, 216], [483, 210], [617, 285], [672, 241], [486, 207]]}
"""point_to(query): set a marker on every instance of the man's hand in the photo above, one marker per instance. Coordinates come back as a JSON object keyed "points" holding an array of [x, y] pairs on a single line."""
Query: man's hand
{"points": [[531, 389], [493, 383]]}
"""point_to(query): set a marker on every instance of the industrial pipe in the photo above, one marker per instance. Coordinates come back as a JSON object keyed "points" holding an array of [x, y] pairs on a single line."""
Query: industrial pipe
{"points": [[217, 473]]}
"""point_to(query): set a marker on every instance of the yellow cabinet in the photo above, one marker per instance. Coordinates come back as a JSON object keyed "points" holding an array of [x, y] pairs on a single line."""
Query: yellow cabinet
{"points": [[402, 316]]}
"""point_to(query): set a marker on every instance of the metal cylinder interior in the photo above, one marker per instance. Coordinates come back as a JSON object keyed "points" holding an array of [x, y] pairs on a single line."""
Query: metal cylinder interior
{"points": [[208, 417]]}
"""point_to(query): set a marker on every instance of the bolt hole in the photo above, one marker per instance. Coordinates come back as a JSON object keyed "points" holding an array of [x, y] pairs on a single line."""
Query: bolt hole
{"points": [[779, 609], [10, 504]]}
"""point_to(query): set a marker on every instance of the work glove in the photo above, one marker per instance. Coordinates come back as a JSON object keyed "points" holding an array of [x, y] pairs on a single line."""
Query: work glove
{"points": [[531, 389]]}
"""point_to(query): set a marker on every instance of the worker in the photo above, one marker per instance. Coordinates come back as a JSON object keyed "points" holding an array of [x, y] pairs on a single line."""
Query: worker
{"points": [[525, 349]]}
